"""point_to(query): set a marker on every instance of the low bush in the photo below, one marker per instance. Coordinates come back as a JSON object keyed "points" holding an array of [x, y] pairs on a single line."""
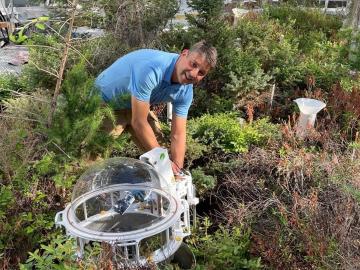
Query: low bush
{"points": [[202, 181], [223, 249], [288, 192], [10, 83], [305, 20], [205, 102], [60, 253], [224, 133]]}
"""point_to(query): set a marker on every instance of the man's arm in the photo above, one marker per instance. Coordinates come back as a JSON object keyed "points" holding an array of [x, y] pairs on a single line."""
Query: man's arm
{"points": [[140, 124], [178, 142]]}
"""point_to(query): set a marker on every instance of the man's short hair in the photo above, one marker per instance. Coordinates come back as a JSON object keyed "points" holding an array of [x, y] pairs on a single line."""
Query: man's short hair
{"points": [[206, 49]]}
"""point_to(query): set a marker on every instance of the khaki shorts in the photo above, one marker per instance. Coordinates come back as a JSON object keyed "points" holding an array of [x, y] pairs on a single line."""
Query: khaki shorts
{"points": [[123, 123]]}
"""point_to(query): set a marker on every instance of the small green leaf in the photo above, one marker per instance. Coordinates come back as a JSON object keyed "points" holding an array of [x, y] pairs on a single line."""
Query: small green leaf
{"points": [[43, 19], [40, 26]]}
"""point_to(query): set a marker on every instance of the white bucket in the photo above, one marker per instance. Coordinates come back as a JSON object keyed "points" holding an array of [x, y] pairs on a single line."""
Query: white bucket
{"points": [[308, 111]]}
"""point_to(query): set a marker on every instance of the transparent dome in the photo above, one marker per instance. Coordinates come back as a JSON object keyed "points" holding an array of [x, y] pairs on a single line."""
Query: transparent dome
{"points": [[116, 171], [121, 195]]}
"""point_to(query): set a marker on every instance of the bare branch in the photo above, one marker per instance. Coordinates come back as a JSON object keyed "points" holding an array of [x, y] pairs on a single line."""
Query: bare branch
{"points": [[30, 96], [21, 118], [44, 46], [62, 151], [44, 70], [81, 55], [9, 105]]}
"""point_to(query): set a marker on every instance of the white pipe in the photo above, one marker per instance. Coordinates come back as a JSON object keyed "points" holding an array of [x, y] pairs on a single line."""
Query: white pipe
{"points": [[169, 111]]}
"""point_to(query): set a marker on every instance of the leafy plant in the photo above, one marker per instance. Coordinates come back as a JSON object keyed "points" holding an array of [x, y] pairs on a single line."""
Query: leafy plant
{"points": [[20, 36], [223, 132], [223, 249], [60, 253], [10, 83], [305, 20], [6, 200], [202, 181]]}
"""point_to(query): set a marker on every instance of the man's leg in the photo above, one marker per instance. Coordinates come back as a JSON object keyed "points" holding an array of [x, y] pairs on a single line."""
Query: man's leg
{"points": [[122, 119]]}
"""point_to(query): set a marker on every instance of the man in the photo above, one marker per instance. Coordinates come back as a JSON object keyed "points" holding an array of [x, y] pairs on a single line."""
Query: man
{"points": [[145, 77]]}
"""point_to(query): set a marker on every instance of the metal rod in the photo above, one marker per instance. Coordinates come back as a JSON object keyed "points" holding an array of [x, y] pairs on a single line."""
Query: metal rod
{"points": [[194, 216], [167, 235], [112, 199], [126, 253], [85, 211], [137, 252], [160, 208]]}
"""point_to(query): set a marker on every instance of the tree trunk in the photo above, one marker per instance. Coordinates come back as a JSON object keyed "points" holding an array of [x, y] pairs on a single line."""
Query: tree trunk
{"points": [[63, 63], [352, 21], [353, 17]]}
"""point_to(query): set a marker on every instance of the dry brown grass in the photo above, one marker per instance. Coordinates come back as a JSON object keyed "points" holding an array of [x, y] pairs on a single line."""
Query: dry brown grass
{"points": [[301, 198]]}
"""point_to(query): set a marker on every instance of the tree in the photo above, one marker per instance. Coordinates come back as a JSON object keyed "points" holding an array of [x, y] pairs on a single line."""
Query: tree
{"points": [[353, 18], [352, 21]]}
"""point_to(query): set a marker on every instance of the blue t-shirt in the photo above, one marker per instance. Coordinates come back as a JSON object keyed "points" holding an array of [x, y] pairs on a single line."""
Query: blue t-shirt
{"points": [[146, 75]]}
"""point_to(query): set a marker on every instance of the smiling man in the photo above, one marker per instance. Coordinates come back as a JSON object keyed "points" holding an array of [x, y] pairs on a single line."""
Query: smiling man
{"points": [[146, 77]]}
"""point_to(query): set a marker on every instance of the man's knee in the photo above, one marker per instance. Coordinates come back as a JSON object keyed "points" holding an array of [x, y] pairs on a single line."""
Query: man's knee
{"points": [[122, 120]]}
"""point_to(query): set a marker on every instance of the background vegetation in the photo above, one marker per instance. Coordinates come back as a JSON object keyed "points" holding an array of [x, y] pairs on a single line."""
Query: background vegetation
{"points": [[269, 199]]}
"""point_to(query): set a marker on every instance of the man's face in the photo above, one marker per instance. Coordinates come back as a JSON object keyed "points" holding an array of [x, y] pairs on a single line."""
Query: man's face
{"points": [[190, 68]]}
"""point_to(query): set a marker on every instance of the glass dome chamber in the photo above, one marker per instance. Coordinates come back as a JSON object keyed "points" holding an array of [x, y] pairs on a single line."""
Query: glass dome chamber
{"points": [[151, 226], [99, 190]]}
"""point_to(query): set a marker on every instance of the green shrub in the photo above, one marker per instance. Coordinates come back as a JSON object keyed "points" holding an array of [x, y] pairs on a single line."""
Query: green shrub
{"points": [[243, 84], [45, 55], [51, 166], [20, 139], [223, 132], [194, 150], [224, 249], [349, 48], [79, 115], [207, 11], [202, 181], [6, 200], [138, 23], [325, 71], [60, 253], [219, 132], [305, 20], [9, 83], [206, 102], [210, 24], [271, 50]]}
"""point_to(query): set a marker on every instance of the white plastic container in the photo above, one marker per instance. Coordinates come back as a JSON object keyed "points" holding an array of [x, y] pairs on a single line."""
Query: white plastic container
{"points": [[308, 111]]}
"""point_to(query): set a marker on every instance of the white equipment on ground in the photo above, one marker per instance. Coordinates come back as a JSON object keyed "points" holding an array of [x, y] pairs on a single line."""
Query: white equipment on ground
{"points": [[309, 108], [136, 206]]}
